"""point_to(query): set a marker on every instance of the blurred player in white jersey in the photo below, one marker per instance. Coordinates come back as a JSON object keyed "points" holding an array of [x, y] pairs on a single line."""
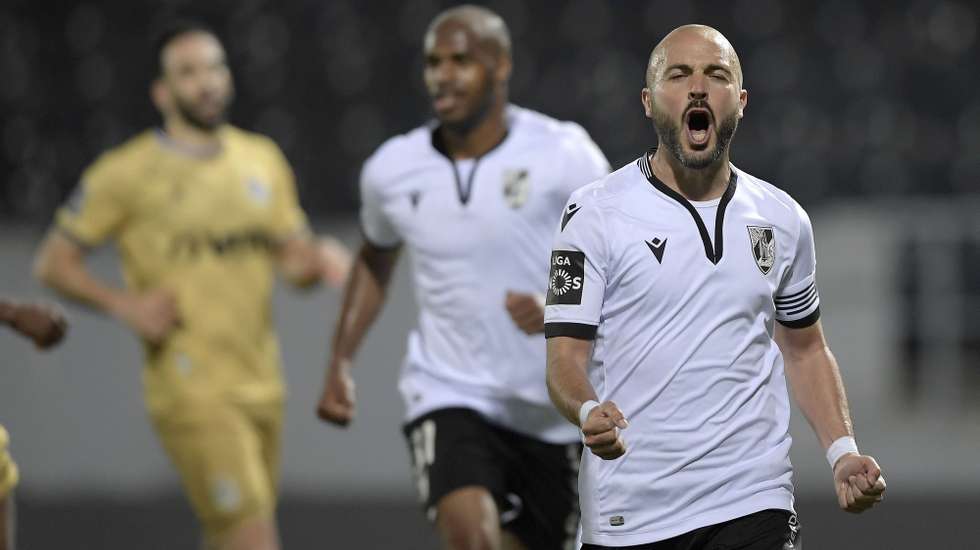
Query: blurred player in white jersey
{"points": [[474, 196]]}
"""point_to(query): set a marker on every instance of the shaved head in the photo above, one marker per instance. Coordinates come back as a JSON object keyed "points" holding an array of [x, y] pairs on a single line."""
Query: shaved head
{"points": [[488, 27], [685, 35]]}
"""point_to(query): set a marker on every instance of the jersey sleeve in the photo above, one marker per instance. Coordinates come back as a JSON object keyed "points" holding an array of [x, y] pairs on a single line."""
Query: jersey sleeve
{"points": [[577, 281], [377, 228], [583, 162], [288, 218], [98, 207], [797, 300]]}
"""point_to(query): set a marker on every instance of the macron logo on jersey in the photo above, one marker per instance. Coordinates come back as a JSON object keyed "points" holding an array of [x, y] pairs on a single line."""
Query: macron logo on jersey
{"points": [[569, 212], [567, 277], [657, 247]]}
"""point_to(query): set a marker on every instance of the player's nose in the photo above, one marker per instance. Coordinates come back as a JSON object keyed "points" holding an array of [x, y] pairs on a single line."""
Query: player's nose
{"points": [[698, 89]]}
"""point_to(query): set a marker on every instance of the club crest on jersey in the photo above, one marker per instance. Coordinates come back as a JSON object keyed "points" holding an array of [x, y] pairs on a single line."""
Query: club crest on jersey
{"points": [[516, 186], [763, 243], [567, 277], [258, 191]]}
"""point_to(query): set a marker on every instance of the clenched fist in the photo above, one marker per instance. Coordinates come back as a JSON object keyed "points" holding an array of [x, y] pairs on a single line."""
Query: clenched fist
{"points": [[859, 482], [153, 315], [45, 325], [526, 310], [337, 402], [602, 431]]}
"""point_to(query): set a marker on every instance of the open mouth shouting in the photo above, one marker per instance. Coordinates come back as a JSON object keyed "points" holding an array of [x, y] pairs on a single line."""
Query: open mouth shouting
{"points": [[699, 125]]}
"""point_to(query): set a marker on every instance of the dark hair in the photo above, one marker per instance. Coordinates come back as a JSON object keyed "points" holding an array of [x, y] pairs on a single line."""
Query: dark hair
{"points": [[167, 32]]}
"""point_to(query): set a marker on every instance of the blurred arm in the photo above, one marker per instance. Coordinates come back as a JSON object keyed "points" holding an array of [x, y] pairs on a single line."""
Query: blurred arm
{"points": [[363, 298], [305, 261], [366, 292], [815, 381], [60, 264]]}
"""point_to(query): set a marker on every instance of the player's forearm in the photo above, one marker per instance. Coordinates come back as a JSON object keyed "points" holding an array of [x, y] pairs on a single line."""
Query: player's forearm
{"points": [[7, 311], [299, 262], [568, 383], [364, 297], [60, 265], [819, 391]]}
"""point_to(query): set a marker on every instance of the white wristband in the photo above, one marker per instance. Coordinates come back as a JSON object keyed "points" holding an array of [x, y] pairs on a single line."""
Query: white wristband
{"points": [[583, 412], [841, 447]]}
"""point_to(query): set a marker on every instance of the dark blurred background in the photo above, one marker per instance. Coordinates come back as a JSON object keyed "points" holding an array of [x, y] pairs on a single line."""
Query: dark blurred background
{"points": [[847, 99], [866, 112]]}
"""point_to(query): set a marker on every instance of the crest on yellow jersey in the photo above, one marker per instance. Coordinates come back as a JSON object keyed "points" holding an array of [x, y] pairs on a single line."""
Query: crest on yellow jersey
{"points": [[258, 191]]}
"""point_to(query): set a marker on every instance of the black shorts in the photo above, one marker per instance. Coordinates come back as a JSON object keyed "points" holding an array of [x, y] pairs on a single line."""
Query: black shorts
{"points": [[535, 484], [765, 530]]}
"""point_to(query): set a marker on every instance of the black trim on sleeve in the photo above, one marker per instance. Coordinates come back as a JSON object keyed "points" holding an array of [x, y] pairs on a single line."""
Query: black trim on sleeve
{"points": [[799, 323], [799, 308], [712, 252], [580, 331], [794, 297]]}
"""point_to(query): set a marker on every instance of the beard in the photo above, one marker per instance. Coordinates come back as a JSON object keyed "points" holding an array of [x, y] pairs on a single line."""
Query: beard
{"points": [[189, 113], [484, 104], [669, 134]]}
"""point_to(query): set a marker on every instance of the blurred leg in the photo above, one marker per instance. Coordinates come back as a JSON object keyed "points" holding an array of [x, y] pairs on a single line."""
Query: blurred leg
{"points": [[252, 534], [511, 542], [223, 464], [468, 520]]}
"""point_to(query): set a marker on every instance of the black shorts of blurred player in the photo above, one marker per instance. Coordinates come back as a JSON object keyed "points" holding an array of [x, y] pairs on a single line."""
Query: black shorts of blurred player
{"points": [[533, 483]]}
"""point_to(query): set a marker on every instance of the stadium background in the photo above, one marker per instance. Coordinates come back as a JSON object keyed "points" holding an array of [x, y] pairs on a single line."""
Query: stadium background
{"points": [[865, 111]]}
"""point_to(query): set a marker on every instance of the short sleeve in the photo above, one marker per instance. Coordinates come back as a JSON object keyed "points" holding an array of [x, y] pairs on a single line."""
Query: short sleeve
{"points": [[288, 217], [377, 228], [584, 162], [797, 299], [577, 281], [97, 208]]}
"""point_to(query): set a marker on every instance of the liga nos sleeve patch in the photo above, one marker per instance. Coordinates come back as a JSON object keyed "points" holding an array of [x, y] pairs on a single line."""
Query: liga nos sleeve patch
{"points": [[567, 277]]}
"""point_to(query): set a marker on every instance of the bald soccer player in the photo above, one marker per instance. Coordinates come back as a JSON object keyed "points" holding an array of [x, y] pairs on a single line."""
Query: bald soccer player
{"points": [[474, 196], [204, 214], [45, 326], [698, 301]]}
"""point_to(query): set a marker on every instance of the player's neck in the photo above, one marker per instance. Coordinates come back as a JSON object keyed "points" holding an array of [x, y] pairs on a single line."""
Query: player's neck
{"points": [[191, 138], [478, 140], [693, 184]]}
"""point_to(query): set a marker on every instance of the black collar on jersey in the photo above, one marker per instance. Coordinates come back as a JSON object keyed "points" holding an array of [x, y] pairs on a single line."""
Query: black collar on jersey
{"points": [[713, 253], [438, 143]]}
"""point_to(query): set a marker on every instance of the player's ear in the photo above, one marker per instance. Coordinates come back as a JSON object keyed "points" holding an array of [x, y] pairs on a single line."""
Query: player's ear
{"points": [[646, 97], [743, 100], [160, 95], [504, 68]]}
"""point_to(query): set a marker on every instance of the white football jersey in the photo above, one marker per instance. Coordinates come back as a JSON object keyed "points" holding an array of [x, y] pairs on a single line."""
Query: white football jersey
{"points": [[475, 229], [680, 298]]}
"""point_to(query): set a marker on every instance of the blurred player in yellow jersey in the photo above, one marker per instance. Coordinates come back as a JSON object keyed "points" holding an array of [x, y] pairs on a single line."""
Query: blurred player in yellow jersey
{"points": [[203, 213], [46, 327]]}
